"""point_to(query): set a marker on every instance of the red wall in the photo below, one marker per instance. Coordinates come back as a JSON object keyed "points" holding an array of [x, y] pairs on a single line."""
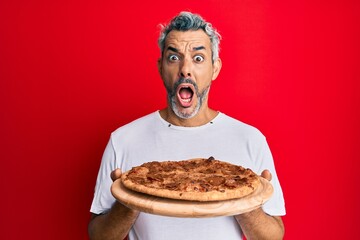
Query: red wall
{"points": [[73, 71]]}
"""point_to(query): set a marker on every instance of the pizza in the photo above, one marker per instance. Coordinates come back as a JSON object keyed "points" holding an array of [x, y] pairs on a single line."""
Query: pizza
{"points": [[197, 179]]}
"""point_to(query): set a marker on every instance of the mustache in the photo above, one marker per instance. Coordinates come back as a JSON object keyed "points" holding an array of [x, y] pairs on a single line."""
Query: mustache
{"points": [[181, 80]]}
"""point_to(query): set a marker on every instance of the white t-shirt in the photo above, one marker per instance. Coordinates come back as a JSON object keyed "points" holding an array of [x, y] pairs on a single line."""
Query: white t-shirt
{"points": [[151, 138]]}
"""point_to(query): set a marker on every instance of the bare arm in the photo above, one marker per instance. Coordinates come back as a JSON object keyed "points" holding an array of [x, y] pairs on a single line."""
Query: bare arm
{"points": [[259, 225], [116, 223]]}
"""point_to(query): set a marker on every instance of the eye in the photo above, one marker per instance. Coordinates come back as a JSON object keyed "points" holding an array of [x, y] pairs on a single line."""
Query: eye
{"points": [[198, 58], [173, 58]]}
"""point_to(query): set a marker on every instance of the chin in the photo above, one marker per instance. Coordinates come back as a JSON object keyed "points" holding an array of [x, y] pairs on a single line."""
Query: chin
{"points": [[189, 112], [185, 113]]}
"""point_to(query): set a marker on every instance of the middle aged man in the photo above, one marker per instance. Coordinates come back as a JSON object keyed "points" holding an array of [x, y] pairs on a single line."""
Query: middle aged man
{"points": [[186, 128]]}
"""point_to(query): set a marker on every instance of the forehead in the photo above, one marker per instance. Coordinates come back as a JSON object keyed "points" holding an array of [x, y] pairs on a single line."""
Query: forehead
{"points": [[181, 39]]}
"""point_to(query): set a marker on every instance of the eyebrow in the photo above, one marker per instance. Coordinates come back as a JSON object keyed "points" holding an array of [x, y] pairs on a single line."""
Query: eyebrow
{"points": [[173, 49], [194, 49], [198, 48]]}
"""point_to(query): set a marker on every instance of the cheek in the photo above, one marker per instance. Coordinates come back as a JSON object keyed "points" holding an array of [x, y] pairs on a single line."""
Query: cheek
{"points": [[169, 72], [170, 75], [168, 81], [204, 77]]}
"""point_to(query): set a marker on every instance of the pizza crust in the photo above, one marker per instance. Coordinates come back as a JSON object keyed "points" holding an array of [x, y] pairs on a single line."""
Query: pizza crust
{"points": [[193, 180]]}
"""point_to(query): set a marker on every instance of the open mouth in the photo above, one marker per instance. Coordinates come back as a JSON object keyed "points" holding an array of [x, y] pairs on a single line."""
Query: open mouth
{"points": [[185, 93]]}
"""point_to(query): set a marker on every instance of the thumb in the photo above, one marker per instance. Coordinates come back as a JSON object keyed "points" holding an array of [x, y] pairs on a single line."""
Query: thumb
{"points": [[266, 174], [116, 174]]}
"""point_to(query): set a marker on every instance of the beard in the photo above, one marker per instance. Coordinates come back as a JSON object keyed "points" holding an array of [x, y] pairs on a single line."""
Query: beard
{"points": [[172, 100]]}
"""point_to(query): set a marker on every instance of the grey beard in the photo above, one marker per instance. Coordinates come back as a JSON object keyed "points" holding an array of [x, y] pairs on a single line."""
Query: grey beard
{"points": [[171, 93]]}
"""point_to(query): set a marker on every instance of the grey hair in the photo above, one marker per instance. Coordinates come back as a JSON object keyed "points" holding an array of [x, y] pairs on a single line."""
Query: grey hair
{"points": [[187, 21]]}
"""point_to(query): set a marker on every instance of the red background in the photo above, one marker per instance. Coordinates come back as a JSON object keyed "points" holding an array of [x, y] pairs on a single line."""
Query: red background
{"points": [[73, 71]]}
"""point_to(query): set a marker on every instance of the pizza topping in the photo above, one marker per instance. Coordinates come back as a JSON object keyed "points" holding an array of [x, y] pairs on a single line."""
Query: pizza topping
{"points": [[155, 177], [171, 186], [139, 180], [196, 179], [216, 180]]}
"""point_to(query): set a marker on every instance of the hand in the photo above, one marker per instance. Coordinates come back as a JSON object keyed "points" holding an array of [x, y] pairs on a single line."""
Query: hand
{"points": [[116, 174], [256, 224], [114, 223], [266, 174]]}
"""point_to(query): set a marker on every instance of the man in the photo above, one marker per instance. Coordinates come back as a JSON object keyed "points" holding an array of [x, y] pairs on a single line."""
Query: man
{"points": [[186, 129]]}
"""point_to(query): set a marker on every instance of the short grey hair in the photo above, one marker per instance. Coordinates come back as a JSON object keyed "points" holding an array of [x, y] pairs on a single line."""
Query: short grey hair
{"points": [[187, 21]]}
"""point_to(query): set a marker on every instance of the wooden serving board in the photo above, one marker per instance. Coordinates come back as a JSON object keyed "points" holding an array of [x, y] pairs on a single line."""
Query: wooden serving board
{"points": [[191, 209]]}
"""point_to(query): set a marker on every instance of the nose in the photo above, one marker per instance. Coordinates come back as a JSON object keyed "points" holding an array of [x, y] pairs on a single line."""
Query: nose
{"points": [[185, 69]]}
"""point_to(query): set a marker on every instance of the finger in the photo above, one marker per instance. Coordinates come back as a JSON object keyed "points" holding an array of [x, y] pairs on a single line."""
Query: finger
{"points": [[266, 174], [115, 174]]}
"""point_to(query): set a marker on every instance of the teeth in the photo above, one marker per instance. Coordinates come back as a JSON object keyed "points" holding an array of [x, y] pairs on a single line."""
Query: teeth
{"points": [[186, 100]]}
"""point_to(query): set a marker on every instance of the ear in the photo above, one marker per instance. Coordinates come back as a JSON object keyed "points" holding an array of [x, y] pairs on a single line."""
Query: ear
{"points": [[159, 65], [216, 68]]}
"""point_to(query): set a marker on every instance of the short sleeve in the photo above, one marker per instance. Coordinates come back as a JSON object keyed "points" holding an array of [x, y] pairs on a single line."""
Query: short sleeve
{"points": [[103, 199], [275, 206]]}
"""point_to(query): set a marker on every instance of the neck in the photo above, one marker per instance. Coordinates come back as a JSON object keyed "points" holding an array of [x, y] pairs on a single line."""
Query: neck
{"points": [[203, 117]]}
